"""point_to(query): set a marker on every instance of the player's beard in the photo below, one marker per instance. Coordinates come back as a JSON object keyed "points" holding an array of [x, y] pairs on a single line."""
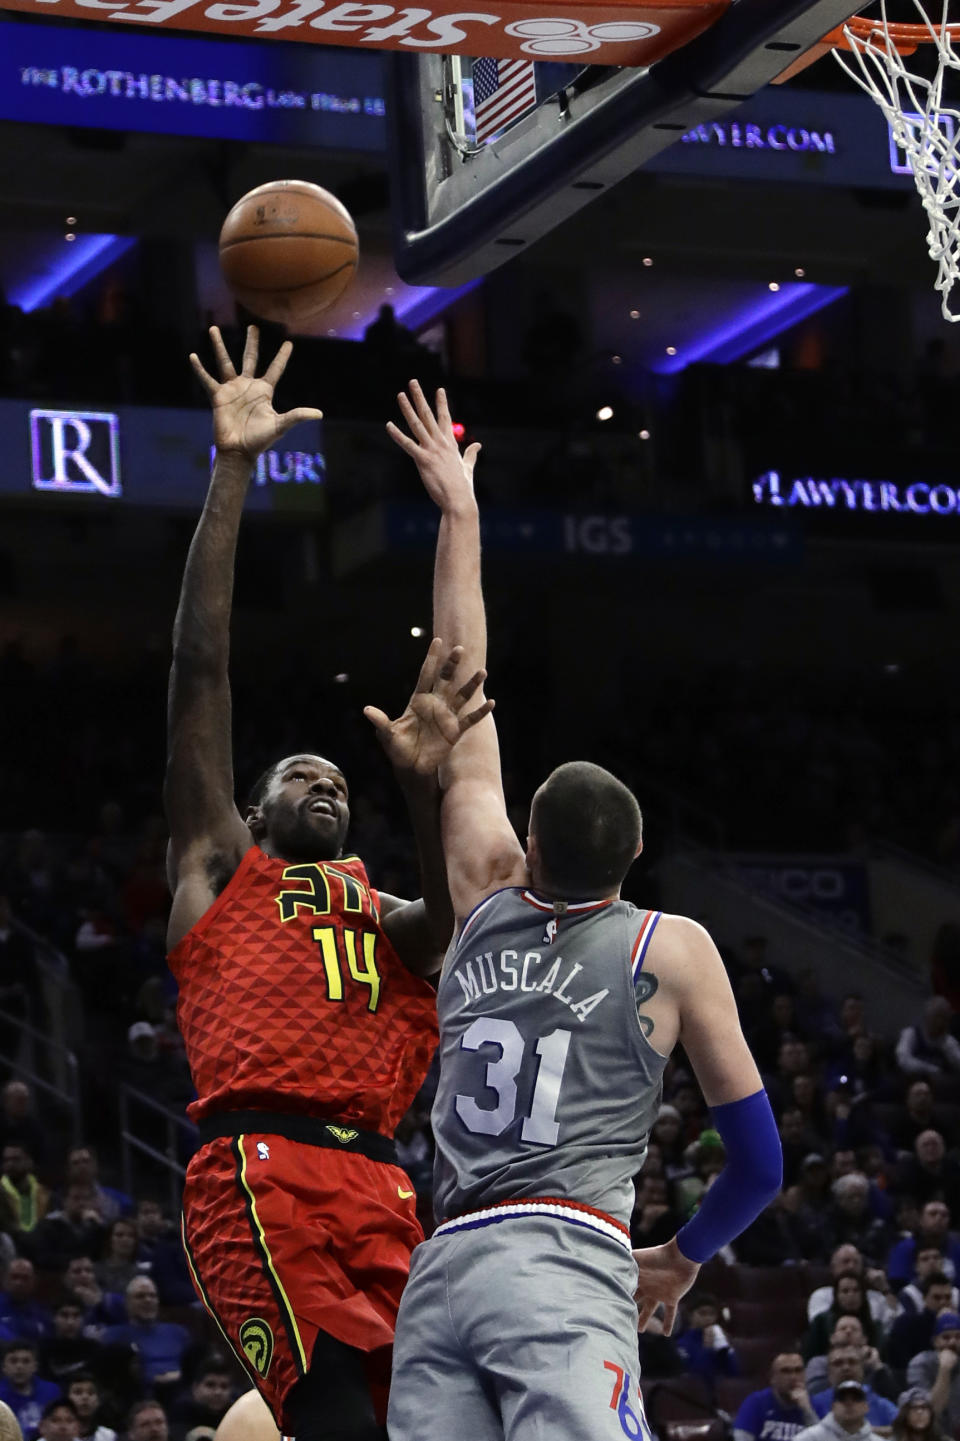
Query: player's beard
{"points": [[300, 836]]}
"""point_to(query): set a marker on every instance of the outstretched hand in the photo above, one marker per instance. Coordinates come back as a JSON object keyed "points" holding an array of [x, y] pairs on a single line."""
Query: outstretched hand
{"points": [[664, 1275], [435, 717], [446, 474], [244, 420]]}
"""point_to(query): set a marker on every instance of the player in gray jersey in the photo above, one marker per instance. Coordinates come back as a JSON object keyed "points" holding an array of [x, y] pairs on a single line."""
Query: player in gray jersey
{"points": [[559, 1005], [553, 992]]}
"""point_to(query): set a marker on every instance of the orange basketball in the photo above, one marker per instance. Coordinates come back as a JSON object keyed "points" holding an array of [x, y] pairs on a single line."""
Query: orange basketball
{"points": [[288, 250]]}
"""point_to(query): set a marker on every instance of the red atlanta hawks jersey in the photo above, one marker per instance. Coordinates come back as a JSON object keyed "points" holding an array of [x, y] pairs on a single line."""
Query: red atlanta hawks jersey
{"points": [[293, 999]]}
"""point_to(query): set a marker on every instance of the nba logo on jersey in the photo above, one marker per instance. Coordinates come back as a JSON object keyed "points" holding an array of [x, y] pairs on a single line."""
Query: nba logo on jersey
{"points": [[263, 1151], [550, 934]]}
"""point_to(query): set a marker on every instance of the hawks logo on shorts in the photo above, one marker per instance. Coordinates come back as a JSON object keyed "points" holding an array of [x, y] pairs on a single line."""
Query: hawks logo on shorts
{"points": [[256, 1338]]}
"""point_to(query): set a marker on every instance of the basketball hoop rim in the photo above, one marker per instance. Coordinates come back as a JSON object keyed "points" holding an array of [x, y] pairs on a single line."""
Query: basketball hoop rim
{"points": [[904, 37]]}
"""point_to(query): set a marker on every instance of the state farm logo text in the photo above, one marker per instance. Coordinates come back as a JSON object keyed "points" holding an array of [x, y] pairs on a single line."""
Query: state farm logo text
{"points": [[543, 36]]}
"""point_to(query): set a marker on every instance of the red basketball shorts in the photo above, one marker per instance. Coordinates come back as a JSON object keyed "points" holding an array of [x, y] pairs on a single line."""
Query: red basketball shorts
{"points": [[285, 1240]]}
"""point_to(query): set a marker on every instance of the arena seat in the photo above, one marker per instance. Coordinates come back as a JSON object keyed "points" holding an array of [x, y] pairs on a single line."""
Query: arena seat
{"points": [[681, 1398], [712, 1430], [721, 1279], [766, 1283], [756, 1352], [784, 1316], [731, 1391]]}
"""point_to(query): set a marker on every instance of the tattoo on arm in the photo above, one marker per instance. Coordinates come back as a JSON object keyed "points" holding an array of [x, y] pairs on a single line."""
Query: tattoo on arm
{"points": [[646, 986]]}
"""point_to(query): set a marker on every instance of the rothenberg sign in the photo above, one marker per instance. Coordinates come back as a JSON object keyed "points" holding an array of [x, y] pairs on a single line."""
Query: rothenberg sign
{"points": [[611, 34]]}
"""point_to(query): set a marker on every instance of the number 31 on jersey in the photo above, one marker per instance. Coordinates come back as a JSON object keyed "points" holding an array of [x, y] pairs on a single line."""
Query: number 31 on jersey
{"points": [[540, 1126]]}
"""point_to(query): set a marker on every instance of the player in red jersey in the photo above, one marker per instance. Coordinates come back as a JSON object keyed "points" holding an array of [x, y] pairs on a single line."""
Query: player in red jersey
{"points": [[307, 1023]]}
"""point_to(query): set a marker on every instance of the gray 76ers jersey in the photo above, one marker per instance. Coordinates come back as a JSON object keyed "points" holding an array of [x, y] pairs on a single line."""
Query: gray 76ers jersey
{"points": [[548, 1086]]}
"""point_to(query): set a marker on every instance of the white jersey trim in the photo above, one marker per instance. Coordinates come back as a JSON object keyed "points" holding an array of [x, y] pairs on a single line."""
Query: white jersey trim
{"points": [[560, 1211]]}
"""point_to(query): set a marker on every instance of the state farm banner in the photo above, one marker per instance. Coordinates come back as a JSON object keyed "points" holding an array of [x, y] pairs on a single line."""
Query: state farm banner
{"points": [[610, 34]]}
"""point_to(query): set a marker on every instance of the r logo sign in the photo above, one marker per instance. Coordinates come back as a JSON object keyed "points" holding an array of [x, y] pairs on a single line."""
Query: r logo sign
{"points": [[75, 450]]}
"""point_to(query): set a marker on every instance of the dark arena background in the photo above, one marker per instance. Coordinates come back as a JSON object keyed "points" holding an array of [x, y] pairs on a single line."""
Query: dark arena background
{"points": [[720, 499]]}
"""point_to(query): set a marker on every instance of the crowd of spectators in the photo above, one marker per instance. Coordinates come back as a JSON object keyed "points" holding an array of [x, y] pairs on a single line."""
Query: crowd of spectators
{"points": [[848, 1280], [101, 1332], [838, 1309], [837, 1312]]}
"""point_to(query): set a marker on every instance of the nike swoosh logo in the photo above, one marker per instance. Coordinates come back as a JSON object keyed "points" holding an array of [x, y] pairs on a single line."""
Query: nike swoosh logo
{"points": [[404, 1195]]}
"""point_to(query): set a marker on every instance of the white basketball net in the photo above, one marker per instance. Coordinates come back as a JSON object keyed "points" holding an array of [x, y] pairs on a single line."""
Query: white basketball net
{"points": [[926, 132]]}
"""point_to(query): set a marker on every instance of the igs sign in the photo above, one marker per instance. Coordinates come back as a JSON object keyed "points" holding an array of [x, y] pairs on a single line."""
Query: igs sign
{"points": [[77, 451]]}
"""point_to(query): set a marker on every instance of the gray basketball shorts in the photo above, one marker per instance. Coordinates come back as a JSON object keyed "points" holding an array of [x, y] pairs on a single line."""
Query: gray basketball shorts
{"points": [[522, 1329]]}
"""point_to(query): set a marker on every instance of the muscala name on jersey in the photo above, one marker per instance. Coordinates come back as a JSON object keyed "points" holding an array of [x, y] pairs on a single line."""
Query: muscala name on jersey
{"points": [[550, 975]]}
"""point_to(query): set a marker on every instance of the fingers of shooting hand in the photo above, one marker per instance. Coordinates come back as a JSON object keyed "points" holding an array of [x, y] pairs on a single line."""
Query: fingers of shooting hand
{"points": [[428, 671], [227, 368], [251, 350], [290, 418], [426, 416], [278, 364], [470, 456], [468, 689], [443, 414], [377, 718], [417, 426], [205, 379], [399, 438], [449, 667], [474, 717]]}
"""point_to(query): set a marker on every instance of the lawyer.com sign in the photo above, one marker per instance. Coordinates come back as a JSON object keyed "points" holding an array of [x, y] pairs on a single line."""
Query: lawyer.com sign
{"points": [[610, 34]]}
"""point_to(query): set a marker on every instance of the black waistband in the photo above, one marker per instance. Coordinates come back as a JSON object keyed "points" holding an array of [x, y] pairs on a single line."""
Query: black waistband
{"points": [[310, 1130]]}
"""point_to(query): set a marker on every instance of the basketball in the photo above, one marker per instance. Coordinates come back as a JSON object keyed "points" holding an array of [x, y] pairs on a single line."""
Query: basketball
{"points": [[288, 250], [248, 1419]]}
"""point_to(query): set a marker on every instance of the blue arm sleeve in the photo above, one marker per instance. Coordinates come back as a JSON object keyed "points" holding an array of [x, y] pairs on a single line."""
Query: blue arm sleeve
{"points": [[749, 1181]]}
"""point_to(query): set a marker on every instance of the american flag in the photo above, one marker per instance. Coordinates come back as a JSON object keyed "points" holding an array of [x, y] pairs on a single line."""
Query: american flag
{"points": [[502, 91]]}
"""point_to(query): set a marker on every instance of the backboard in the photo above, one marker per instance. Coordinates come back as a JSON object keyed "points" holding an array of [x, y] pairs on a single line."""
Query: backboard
{"points": [[461, 208]]}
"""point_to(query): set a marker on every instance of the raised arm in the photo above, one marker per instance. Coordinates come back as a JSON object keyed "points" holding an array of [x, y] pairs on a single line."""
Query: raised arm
{"points": [[481, 849], [417, 743], [689, 1000], [207, 834]]}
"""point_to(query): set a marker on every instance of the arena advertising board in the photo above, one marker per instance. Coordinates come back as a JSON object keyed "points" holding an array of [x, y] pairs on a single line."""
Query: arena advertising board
{"points": [[135, 455], [834, 887], [801, 493], [809, 136], [610, 33], [178, 85], [604, 536]]}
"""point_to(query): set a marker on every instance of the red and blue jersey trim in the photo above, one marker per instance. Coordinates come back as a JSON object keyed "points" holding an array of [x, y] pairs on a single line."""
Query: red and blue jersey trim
{"points": [[568, 908], [641, 944], [572, 1212], [575, 908]]}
